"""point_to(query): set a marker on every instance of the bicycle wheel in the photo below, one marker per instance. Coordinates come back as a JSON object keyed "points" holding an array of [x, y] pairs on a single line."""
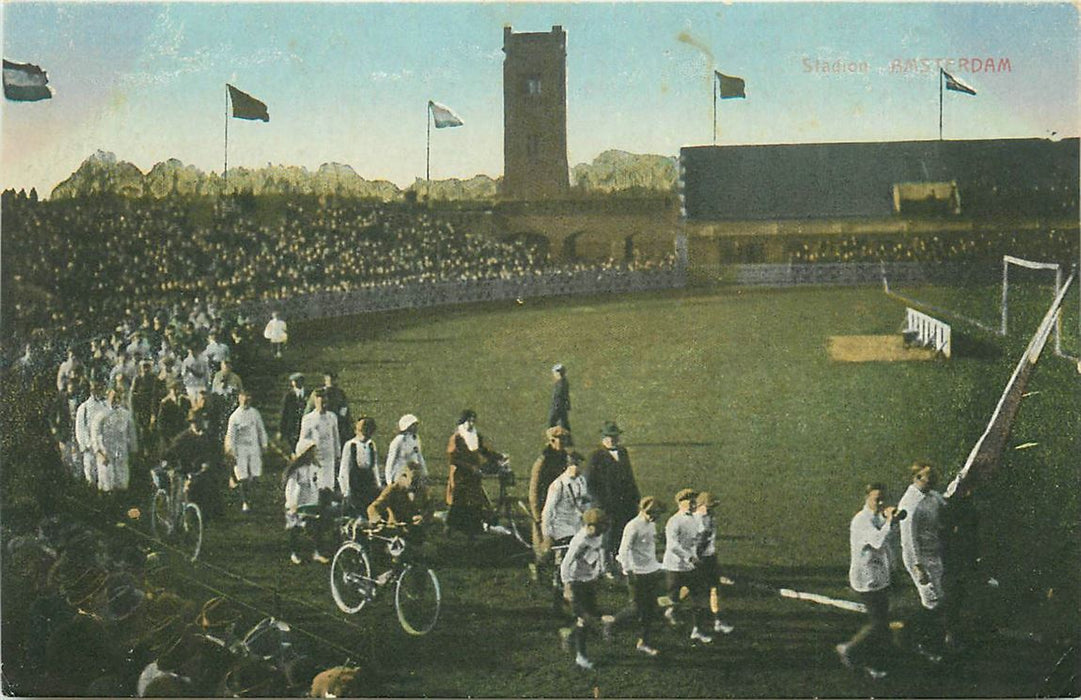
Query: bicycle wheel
{"points": [[351, 581], [161, 522], [417, 599], [190, 532]]}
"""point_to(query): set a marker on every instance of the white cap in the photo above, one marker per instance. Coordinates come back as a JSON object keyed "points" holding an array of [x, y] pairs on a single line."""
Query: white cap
{"points": [[405, 421]]}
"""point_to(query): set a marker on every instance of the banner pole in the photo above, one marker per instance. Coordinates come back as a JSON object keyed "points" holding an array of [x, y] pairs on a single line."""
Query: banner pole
{"points": [[225, 168], [715, 109], [940, 81], [428, 152]]}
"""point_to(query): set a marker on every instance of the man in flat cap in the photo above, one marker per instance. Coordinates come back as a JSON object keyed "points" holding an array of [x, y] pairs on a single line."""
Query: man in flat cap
{"points": [[680, 559], [705, 507], [555, 457], [613, 487], [638, 557], [581, 567]]}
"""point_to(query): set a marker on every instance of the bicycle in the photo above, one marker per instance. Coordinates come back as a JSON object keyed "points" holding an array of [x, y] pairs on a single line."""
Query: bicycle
{"points": [[172, 516], [508, 508], [417, 595]]}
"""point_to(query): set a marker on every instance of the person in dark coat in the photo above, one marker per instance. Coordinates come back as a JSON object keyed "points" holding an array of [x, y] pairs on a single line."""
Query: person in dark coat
{"points": [[553, 461], [559, 413], [294, 406], [611, 483], [172, 414], [469, 458], [197, 454]]}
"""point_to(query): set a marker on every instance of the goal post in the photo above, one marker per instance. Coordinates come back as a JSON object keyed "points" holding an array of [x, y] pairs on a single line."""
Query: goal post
{"points": [[987, 451]]}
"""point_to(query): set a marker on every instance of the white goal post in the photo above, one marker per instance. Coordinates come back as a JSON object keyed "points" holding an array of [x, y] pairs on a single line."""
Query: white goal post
{"points": [[1008, 260]]}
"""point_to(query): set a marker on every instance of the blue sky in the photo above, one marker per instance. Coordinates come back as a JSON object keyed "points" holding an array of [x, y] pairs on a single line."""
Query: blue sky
{"points": [[349, 82]]}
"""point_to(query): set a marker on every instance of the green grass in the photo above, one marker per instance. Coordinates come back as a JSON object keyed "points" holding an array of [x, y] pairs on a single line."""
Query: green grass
{"points": [[728, 391]]}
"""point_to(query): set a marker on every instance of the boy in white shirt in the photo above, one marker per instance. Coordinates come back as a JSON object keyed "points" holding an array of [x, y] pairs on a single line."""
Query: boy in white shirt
{"points": [[582, 565]]}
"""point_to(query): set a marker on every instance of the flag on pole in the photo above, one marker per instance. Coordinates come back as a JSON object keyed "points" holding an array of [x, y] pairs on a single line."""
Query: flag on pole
{"points": [[443, 116], [731, 86], [957, 85], [25, 82], [247, 107]]}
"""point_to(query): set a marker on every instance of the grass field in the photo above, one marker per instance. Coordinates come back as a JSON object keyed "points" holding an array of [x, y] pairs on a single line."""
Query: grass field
{"points": [[728, 390]]}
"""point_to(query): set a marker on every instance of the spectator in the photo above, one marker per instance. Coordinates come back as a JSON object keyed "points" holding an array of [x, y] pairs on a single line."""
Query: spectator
{"points": [[194, 372]]}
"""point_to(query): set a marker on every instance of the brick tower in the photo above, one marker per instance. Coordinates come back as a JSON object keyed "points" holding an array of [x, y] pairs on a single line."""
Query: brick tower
{"points": [[535, 114]]}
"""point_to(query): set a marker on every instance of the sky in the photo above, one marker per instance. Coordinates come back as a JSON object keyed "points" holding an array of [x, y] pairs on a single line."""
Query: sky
{"points": [[350, 82]]}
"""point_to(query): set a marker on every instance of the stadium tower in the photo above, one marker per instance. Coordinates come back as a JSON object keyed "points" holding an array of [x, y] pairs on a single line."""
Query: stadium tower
{"points": [[535, 114]]}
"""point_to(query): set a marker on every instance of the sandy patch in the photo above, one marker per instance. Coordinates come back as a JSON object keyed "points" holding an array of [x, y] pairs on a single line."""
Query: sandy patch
{"points": [[874, 348]]}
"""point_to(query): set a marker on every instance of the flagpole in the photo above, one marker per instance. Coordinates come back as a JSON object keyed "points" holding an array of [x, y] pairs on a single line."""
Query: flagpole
{"points": [[941, 78], [714, 108], [225, 168]]}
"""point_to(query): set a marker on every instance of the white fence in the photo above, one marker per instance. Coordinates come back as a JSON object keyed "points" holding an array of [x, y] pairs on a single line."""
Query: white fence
{"points": [[927, 331]]}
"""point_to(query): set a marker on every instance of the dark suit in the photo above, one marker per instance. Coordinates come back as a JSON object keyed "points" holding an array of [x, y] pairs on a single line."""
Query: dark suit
{"points": [[293, 409], [559, 413], [614, 490]]}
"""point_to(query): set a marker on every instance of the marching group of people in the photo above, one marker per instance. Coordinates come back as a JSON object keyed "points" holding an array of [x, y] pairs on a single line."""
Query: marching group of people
{"points": [[590, 521]]}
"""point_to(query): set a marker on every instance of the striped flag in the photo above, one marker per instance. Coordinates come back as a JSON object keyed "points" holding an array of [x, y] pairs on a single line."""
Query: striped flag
{"points": [[957, 85], [731, 86], [25, 82], [247, 107], [443, 115]]}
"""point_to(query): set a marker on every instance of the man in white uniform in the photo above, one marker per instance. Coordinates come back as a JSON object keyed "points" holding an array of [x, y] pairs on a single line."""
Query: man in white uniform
{"points": [[638, 557], [680, 559], [112, 435], [245, 440], [85, 416], [921, 552], [321, 427], [869, 575]]}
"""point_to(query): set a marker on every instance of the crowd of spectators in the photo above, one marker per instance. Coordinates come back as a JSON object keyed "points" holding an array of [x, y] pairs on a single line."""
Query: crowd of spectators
{"points": [[1050, 245], [77, 267]]}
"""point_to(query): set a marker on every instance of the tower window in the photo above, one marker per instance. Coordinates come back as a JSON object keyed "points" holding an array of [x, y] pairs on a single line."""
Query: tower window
{"points": [[533, 86], [532, 146]]}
